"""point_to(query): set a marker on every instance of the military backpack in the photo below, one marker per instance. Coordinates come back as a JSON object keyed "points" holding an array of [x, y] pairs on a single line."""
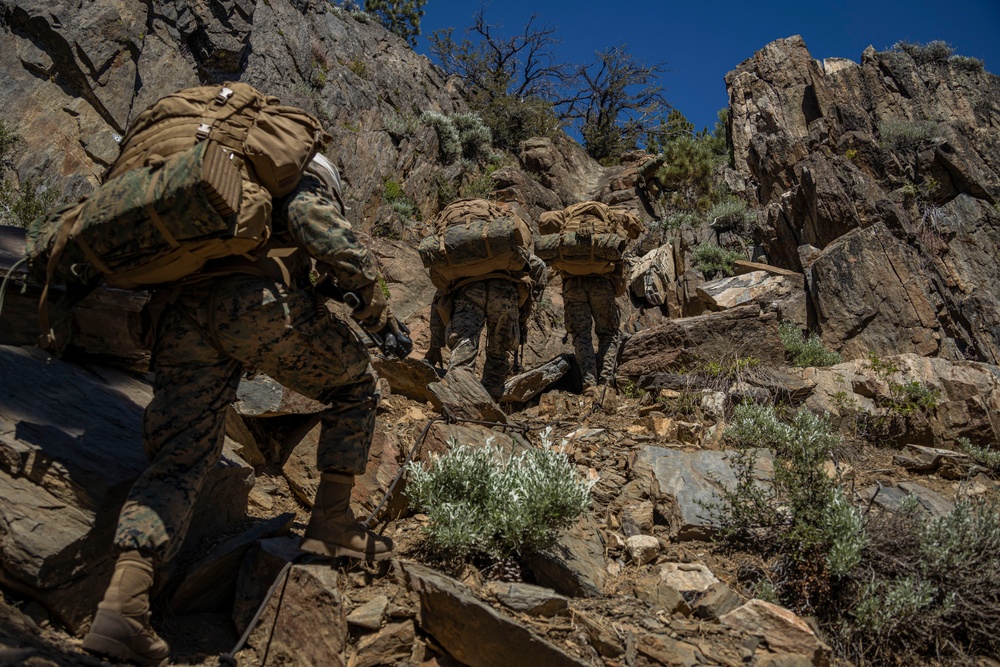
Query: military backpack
{"points": [[194, 181], [474, 238], [588, 238]]}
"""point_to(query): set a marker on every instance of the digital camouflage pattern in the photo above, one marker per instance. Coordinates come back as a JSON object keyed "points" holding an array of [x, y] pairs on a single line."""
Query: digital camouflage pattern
{"points": [[492, 303], [258, 324], [226, 323], [590, 308]]}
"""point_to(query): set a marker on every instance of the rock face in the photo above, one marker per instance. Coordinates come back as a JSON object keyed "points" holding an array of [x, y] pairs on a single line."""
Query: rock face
{"points": [[69, 452], [907, 230]]}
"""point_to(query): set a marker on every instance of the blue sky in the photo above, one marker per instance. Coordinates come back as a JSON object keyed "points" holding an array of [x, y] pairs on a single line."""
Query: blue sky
{"points": [[701, 41]]}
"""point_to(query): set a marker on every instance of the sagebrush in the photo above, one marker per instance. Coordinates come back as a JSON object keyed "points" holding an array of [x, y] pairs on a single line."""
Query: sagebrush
{"points": [[482, 503]]}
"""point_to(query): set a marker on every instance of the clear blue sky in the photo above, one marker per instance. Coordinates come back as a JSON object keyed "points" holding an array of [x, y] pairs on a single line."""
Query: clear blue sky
{"points": [[701, 41]]}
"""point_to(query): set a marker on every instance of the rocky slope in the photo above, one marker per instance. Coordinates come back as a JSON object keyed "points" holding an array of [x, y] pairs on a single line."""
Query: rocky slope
{"points": [[878, 246]]}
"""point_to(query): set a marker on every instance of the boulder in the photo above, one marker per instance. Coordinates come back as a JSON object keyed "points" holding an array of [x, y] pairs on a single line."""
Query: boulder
{"points": [[758, 287], [522, 388], [693, 342], [575, 565]]}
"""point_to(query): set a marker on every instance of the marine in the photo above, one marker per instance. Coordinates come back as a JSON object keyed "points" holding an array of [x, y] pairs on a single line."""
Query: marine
{"points": [[263, 313]]}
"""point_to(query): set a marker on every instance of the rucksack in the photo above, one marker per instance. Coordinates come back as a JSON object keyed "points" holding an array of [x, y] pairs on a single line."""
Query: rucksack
{"points": [[587, 238], [652, 277], [193, 182], [472, 238]]}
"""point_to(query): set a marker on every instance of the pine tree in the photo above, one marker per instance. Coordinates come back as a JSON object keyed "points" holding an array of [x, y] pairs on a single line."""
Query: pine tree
{"points": [[401, 17]]}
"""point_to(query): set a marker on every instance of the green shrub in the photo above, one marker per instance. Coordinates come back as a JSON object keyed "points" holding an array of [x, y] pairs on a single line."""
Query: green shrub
{"points": [[688, 170], [931, 587], [805, 351], [906, 134], [394, 196], [481, 503], [802, 517], [988, 458], [935, 51], [966, 63], [461, 135], [730, 214], [676, 221], [711, 259]]}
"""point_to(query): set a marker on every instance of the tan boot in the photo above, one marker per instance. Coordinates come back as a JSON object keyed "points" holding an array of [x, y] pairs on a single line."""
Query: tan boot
{"points": [[121, 627], [332, 530]]}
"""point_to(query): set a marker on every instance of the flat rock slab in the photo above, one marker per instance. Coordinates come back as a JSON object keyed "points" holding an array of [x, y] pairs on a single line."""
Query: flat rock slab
{"points": [[524, 387], [461, 395], [444, 437], [893, 497], [369, 615], [472, 631], [528, 598], [685, 482], [694, 341], [308, 621], [754, 287], [783, 631], [408, 377]]}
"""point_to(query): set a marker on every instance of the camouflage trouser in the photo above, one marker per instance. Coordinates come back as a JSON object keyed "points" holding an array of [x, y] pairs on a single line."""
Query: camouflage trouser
{"points": [[493, 303], [590, 303], [203, 341]]}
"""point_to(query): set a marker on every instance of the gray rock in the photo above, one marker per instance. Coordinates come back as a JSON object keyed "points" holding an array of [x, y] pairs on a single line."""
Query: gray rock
{"points": [[528, 598], [892, 498], [654, 590], [717, 600], [522, 388], [369, 615], [470, 630], [783, 631], [306, 624], [461, 395], [642, 549], [685, 483], [575, 566]]}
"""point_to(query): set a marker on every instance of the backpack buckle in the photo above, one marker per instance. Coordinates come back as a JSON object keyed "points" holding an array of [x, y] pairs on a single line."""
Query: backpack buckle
{"points": [[223, 96], [203, 131]]}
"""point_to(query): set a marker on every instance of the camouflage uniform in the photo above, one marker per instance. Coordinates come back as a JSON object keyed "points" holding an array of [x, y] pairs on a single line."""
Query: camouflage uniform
{"points": [[590, 303], [227, 320], [497, 304], [493, 303]]}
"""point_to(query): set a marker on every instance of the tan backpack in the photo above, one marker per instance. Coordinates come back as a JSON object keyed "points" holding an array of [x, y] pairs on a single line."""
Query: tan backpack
{"points": [[587, 238], [193, 182], [472, 238]]}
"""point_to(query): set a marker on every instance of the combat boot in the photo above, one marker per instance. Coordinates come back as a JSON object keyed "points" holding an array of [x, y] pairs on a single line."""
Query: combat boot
{"points": [[121, 627], [332, 529]]}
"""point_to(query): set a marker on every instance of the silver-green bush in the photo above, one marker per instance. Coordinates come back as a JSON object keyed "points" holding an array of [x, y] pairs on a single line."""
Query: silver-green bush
{"points": [[482, 503]]}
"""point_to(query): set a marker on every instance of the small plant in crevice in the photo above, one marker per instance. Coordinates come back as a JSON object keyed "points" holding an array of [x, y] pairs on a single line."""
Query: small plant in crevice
{"points": [[805, 351], [394, 196], [712, 259], [987, 457], [484, 504]]}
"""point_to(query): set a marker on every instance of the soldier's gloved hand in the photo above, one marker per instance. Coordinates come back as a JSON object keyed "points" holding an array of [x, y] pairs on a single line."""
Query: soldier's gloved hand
{"points": [[393, 339], [433, 357], [372, 308]]}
